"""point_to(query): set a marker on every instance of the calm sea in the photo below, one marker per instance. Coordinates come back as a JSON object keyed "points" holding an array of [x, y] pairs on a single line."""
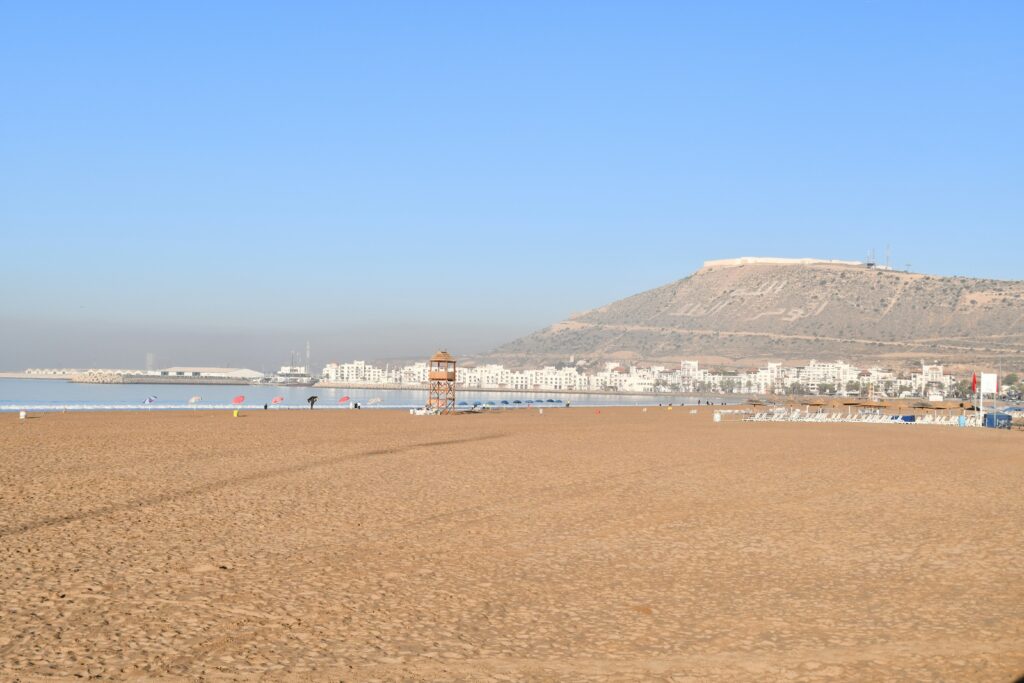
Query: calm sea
{"points": [[49, 395]]}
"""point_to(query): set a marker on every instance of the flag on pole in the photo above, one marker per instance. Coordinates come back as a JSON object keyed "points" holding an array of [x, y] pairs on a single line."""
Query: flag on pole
{"points": [[974, 383]]}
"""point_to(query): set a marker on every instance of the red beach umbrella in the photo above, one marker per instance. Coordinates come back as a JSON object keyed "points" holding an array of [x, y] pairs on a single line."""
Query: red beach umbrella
{"points": [[343, 399], [237, 400], [277, 399]]}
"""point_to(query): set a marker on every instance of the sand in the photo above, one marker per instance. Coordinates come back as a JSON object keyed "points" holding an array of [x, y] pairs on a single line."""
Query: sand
{"points": [[571, 545]]}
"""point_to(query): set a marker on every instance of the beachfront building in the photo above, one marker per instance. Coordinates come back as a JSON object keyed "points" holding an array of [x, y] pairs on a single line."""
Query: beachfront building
{"points": [[356, 372], [417, 373], [821, 378], [548, 378], [768, 380], [562, 379], [931, 380], [879, 382], [612, 378], [485, 377]]}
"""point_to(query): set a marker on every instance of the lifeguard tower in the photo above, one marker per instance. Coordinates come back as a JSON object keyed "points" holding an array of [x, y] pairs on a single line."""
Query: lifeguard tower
{"points": [[442, 383]]}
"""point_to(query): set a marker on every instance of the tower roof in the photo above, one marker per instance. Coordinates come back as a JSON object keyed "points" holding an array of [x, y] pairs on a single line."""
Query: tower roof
{"points": [[442, 356]]}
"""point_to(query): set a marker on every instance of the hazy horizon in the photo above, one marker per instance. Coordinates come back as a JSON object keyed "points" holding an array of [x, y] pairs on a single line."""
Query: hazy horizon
{"points": [[126, 345], [116, 346], [216, 185]]}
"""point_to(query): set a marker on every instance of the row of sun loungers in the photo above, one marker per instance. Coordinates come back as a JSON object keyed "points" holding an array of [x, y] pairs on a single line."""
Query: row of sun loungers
{"points": [[865, 418]]}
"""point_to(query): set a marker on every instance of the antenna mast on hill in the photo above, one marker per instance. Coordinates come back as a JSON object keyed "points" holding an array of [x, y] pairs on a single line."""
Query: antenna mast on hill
{"points": [[888, 255]]}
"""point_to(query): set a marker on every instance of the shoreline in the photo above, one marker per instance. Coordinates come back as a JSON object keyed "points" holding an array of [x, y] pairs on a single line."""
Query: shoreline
{"points": [[254, 407], [379, 387]]}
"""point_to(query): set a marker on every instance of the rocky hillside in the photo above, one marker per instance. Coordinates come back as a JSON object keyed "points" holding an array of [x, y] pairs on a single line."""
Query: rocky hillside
{"points": [[743, 313]]}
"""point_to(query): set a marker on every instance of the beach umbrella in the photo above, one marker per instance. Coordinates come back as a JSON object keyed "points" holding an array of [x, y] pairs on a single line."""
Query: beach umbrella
{"points": [[238, 400], [194, 400], [277, 399], [504, 403], [311, 400], [343, 399], [149, 400]]}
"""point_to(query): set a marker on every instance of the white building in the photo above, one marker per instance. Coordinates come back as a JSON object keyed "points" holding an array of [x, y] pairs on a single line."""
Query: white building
{"points": [[930, 380], [225, 373]]}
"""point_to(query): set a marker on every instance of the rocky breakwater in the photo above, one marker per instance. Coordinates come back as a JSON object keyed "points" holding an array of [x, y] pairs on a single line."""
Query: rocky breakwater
{"points": [[98, 378]]}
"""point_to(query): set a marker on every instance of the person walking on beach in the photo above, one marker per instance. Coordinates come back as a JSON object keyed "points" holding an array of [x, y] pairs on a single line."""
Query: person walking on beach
{"points": [[311, 400]]}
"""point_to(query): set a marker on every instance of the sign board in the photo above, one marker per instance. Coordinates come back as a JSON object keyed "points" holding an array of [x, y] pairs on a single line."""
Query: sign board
{"points": [[989, 383]]}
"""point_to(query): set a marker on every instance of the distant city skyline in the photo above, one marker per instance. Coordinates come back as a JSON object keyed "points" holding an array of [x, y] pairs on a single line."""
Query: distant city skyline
{"points": [[812, 377], [386, 179]]}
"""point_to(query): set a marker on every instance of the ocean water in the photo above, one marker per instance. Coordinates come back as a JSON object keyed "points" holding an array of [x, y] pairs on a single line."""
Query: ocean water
{"points": [[57, 395]]}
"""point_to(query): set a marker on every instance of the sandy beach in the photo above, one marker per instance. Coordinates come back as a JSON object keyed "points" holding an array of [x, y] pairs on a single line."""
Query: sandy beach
{"points": [[573, 545]]}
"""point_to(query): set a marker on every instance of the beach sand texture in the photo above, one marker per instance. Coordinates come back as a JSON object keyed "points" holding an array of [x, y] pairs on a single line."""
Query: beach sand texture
{"points": [[573, 545]]}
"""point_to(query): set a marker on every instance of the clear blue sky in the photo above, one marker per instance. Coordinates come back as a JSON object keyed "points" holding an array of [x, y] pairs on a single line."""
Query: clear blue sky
{"points": [[250, 175]]}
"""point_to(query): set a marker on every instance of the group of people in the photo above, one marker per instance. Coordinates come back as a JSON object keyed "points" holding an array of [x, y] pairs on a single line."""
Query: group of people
{"points": [[312, 402]]}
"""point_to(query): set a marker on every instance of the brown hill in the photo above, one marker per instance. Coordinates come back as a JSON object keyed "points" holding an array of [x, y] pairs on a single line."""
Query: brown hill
{"points": [[745, 311]]}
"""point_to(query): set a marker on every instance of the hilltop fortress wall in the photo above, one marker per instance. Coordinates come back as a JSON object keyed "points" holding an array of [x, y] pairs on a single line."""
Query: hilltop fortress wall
{"points": [[769, 260]]}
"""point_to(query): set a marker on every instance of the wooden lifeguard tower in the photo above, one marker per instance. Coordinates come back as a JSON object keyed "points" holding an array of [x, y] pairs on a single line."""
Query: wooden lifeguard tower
{"points": [[441, 379]]}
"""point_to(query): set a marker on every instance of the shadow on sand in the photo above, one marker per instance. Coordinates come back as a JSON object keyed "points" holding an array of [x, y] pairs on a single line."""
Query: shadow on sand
{"points": [[223, 484]]}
